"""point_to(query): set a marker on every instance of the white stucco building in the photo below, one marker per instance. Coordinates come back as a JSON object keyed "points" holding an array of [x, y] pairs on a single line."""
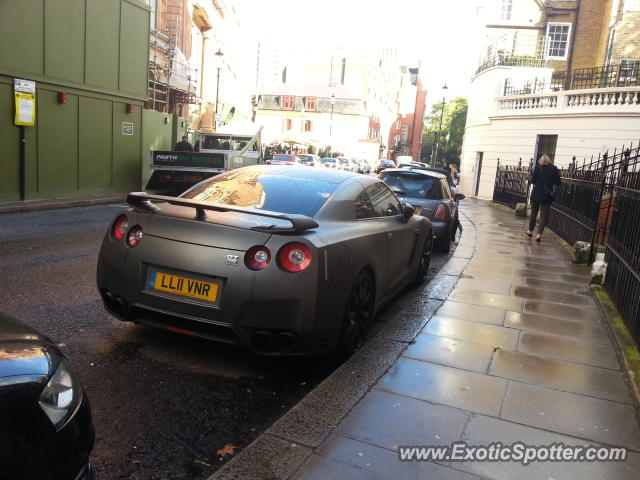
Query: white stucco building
{"points": [[522, 104]]}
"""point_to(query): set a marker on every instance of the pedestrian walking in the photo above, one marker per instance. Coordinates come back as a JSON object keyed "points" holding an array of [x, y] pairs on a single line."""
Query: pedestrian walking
{"points": [[544, 179], [183, 145], [453, 170]]}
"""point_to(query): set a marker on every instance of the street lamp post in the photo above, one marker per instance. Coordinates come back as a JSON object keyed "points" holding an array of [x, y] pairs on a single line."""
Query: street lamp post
{"points": [[435, 145], [333, 102], [219, 56]]}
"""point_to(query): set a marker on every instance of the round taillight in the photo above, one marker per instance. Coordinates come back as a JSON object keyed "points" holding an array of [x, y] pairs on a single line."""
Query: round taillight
{"points": [[441, 213], [294, 257], [257, 257], [120, 227], [135, 235]]}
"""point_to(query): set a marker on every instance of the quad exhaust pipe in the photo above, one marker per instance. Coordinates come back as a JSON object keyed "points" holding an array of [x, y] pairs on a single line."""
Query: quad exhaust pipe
{"points": [[264, 341]]}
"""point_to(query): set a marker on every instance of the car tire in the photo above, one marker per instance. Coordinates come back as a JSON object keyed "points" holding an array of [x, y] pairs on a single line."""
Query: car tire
{"points": [[358, 315], [443, 243], [424, 261]]}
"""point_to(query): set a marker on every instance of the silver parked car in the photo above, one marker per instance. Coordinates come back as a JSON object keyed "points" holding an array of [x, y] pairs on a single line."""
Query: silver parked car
{"points": [[430, 195], [283, 260]]}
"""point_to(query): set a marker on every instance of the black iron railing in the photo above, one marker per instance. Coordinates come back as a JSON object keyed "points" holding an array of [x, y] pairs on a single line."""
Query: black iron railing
{"points": [[512, 184], [610, 76]]}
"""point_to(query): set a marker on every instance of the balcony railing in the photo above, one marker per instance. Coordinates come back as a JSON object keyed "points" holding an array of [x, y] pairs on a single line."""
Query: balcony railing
{"points": [[517, 49], [601, 100]]}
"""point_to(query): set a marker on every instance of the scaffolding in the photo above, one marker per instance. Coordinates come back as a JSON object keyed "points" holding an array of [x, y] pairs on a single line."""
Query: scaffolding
{"points": [[171, 83]]}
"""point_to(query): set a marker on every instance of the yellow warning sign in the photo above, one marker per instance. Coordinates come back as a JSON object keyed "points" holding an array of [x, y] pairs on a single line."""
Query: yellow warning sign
{"points": [[25, 108]]}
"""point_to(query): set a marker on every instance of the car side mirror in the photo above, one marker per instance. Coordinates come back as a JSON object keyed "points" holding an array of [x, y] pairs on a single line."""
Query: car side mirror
{"points": [[459, 196], [399, 193], [407, 211]]}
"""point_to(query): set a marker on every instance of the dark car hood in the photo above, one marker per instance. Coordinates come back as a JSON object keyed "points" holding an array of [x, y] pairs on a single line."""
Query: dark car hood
{"points": [[23, 351]]}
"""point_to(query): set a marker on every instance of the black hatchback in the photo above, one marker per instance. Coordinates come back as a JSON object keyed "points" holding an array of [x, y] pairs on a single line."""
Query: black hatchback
{"points": [[46, 432], [430, 195]]}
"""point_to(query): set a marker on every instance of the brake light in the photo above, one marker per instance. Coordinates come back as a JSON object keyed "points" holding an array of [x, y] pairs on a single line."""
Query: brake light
{"points": [[135, 235], [257, 257], [268, 162], [120, 227], [441, 213], [294, 257]]}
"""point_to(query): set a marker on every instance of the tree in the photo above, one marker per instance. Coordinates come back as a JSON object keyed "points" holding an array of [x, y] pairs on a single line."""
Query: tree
{"points": [[449, 141]]}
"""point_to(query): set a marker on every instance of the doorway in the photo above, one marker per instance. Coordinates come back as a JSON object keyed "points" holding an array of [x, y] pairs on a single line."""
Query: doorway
{"points": [[477, 172]]}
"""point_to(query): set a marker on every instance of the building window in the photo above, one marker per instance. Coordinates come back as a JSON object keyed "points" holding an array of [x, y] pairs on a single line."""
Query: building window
{"points": [[505, 11], [629, 71], [344, 67], [153, 4], [284, 75], [310, 104], [286, 102], [308, 126], [288, 124], [558, 40]]}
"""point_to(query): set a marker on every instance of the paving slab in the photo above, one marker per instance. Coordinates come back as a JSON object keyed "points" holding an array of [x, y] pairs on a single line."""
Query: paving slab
{"points": [[561, 311], [367, 461], [474, 332], [483, 430], [453, 353], [563, 348], [475, 313], [554, 296], [562, 286], [588, 331], [445, 385], [500, 287], [487, 299], [566, 376], [578, 415], [387, 419]]}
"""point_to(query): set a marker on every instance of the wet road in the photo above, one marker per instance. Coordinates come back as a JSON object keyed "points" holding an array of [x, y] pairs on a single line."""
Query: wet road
{"points": [[163, 404]]}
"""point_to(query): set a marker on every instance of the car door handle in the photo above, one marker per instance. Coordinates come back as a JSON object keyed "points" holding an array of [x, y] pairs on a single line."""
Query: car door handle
{"points": [[389, 234]]}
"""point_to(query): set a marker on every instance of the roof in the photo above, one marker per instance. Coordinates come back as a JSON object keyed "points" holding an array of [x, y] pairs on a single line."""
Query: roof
{"points": [[416, 171]]}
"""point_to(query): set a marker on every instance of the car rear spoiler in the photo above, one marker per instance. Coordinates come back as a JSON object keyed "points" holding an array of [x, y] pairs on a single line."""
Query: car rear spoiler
{"points": [[299, 223]]}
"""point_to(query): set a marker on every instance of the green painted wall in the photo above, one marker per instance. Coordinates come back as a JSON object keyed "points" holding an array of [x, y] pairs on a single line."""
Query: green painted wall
{"points": [[9, 147], [95, 51], [78, 43]]}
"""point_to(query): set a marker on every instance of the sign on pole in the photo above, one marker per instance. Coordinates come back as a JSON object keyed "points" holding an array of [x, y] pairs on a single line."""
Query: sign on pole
{"points": [[25, 97]]}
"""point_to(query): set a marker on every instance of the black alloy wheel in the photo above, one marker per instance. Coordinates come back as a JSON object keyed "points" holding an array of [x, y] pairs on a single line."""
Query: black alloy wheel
{"points": [[424, 260], [358, 315]]}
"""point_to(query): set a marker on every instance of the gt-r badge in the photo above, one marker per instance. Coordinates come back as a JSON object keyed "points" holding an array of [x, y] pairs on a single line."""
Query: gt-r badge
{"points": [[232, 260]]}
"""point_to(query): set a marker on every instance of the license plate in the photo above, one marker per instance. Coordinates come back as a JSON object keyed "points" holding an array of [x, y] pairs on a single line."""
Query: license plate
{"points": [[184, 286]]}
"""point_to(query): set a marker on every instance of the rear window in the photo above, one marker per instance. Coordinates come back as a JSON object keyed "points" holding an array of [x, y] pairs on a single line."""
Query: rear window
{"points": [[329, 160], [257, 189], [286, 158], [416, 186]]}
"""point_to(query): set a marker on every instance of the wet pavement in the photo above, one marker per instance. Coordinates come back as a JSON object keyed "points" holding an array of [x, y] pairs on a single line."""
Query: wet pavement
{"points": [[518, 352], [163, 404]]}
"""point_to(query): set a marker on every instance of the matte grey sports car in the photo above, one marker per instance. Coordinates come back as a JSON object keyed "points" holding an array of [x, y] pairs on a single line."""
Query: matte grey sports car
{"points": [[283, 260]]}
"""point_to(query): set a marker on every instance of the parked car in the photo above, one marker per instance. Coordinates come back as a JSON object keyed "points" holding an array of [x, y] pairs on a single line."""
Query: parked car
{"points": [[363, 166], [452, 184], [343, 164], [280, 260], [330, 162], [310, 160], [385, 164], [46, 430], [284, 159], [430, 195], [418, 165]]}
